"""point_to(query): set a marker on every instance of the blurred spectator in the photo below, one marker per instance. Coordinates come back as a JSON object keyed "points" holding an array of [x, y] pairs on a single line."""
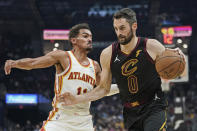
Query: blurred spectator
{"points": [[17, 127], [28, 126]]}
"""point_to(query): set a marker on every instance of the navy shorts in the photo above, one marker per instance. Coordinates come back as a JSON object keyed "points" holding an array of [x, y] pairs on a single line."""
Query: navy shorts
{"points": [[155, 121]]}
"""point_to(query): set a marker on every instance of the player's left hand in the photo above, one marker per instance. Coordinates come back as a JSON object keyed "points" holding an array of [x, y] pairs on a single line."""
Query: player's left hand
{"points": [[9, 64], [67, 99]]}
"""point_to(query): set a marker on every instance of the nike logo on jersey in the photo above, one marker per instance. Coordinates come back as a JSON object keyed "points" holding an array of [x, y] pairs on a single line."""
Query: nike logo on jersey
{"points": [[116, 59], [57, 117], [156, 97], [91, 68]]}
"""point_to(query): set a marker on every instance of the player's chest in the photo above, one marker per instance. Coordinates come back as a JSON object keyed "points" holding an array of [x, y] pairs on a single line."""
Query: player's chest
{"points": [[127, 65]]}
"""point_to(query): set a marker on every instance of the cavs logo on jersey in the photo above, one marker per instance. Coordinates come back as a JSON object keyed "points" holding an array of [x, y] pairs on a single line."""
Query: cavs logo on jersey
{"points": [[128, 68]]}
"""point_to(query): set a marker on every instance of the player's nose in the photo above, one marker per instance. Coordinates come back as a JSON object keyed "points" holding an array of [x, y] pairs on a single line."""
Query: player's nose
{"points": [[90, 40]]}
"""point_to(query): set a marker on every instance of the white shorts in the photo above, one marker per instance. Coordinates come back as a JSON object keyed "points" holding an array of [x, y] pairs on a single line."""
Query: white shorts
{"points": [[64, 121]]}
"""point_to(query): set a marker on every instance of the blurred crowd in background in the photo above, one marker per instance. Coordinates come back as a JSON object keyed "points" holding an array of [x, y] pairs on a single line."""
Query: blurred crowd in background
{"points": [[21, 26]]}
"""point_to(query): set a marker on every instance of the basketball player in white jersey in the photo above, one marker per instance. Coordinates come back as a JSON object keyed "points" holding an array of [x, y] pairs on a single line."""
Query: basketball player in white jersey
{"points": [[75, 73]]}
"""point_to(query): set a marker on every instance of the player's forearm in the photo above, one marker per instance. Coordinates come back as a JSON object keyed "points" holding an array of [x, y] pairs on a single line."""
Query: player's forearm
{"points": [[25, 64], [97, 93]]}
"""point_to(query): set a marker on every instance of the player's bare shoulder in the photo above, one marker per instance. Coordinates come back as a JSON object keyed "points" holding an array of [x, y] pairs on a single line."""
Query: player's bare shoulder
{"points": [[57, 53], [107, 53], [63, 59], [105, 57], [153, 44], [154, 48]]}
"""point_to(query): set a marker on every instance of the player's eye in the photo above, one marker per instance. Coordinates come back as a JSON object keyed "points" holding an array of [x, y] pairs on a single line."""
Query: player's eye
{"points": [[122, 28], [85, 36]]}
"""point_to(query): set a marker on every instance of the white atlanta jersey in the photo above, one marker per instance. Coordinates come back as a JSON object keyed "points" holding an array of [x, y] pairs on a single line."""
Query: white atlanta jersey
{"points": [[76, 79]]}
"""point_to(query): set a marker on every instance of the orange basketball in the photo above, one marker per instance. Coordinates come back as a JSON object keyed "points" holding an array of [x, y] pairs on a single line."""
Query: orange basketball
{"points": [[170, 64]]}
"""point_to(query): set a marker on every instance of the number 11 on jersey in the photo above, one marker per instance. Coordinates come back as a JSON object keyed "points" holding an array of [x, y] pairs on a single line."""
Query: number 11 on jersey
{"points": [[79, 91]]}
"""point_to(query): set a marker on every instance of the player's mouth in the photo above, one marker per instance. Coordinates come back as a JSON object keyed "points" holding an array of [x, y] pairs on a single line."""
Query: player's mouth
{"points": [[89, 43], [121, 37]]}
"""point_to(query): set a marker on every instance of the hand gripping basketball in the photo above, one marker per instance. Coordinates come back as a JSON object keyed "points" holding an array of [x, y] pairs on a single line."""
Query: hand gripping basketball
{"points": [[170, 64]]}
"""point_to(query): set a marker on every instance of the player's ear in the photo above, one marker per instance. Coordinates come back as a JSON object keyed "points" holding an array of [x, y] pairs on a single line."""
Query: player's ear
{"points": [[134, 26], [74, 41]]}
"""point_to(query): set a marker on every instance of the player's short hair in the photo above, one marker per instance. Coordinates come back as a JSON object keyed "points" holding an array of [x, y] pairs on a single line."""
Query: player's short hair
{"points": [[126, 13], [74, 31]]}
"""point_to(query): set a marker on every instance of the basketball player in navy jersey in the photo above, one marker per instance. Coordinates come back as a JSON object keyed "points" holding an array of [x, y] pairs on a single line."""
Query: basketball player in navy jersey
{"points": [[75, 73], [131, 61]]}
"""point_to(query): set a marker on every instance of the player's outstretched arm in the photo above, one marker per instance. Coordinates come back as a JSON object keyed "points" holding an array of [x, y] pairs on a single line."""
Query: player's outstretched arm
{"points": [[101, 90], [33, 63]]}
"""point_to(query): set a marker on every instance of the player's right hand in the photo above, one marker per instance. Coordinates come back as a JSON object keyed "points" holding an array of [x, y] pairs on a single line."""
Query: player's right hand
{"points": [[8, 66], [67, 99], [179, 51]]}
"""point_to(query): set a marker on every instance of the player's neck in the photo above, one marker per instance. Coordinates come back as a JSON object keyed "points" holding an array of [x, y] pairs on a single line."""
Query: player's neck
{"points": [[130, 46], [81, 55]]}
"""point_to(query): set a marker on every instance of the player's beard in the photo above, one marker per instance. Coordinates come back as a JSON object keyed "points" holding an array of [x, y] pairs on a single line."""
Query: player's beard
{"points": [[126, 39]]}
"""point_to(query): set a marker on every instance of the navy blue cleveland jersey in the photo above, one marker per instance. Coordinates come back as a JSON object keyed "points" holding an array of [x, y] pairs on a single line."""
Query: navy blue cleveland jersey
{"points": [[135, 73]]}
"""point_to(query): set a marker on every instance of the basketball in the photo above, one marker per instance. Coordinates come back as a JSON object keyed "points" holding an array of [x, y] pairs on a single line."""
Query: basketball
{"points": [[170, 64]]}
